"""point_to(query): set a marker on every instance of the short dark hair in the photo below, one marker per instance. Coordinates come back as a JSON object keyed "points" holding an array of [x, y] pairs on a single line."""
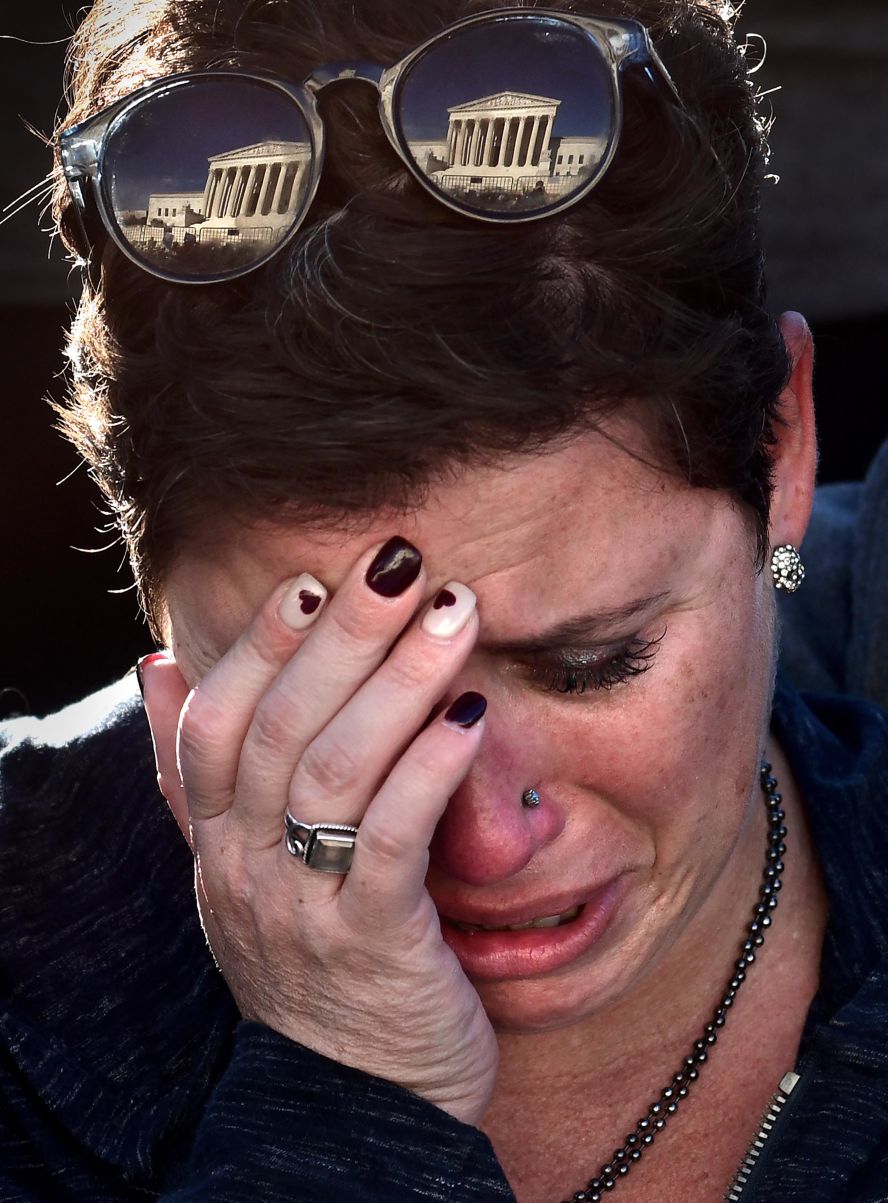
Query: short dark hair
{"points": [[394, 338]]}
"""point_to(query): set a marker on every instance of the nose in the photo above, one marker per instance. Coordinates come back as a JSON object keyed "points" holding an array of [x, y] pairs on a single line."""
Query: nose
{"points": [[486, 834]]}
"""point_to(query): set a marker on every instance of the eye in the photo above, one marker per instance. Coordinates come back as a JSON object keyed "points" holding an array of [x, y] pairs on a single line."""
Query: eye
{"points": [[577, 671]]}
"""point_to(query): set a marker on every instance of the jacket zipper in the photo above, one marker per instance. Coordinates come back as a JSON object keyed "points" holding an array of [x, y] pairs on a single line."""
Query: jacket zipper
{"points": [[753, 1158]]}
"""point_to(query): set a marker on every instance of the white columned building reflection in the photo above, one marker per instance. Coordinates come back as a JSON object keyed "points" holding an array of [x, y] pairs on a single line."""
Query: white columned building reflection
{"points": [[255, 186], [502, 137], [250, 194], [505, 146], [576, 156], [175, 208]]}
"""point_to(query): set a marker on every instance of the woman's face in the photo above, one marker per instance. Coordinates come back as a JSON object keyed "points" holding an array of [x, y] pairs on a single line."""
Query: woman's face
{"points": [[588, 567]]}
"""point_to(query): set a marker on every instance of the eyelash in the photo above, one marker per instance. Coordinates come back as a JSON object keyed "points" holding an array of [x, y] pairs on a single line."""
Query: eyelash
{"points": [[630, 661]]}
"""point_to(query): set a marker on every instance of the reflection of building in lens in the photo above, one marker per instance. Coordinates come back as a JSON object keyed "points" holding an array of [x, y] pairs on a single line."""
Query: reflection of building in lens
{"points": [[256, 186], [175, 208], [576, 156], [250, 196], [505, 144], [505, 134]]}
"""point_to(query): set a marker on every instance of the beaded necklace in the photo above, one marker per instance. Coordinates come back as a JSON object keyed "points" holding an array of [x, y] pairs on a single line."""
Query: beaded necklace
{"points": [[667, 1103]]}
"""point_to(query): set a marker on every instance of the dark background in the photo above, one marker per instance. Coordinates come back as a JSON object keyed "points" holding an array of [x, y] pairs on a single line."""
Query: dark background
{"points": [[70, 620]]}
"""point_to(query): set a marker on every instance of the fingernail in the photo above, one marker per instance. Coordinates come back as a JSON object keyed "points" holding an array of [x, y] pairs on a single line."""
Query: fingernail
{"points": [[450, 611], [467, 709], [301, 603], [149, 659], [395, 568]]}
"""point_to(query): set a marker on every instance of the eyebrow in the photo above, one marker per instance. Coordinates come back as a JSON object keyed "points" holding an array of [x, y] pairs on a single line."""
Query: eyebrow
{"points": [[581, 629]]}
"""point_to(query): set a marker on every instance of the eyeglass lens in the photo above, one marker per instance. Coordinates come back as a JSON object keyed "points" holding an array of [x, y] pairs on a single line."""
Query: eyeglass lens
{"points": [[509, 117], [207, 176]]}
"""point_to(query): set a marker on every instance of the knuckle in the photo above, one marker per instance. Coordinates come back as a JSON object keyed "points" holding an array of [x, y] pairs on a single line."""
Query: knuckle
{"points": [[199, 727], [428, 771], [240, 891], [273, 724], [357, 632], [437, 764], [268, 643], [383, 843], [410, 672], [226, 880], [328, 768]]}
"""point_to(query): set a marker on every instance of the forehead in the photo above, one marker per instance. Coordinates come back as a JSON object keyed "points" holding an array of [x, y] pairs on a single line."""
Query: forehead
{"points": [[528, 512], [587, 522]]}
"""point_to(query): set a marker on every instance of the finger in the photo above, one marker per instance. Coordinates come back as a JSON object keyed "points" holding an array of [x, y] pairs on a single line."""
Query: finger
{"points": [[387, 877], [342, 769], [342, 652], [164, 691], [218, 712]]}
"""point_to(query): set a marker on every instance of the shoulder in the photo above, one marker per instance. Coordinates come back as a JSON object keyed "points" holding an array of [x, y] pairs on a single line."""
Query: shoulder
{"points": [[52, 755], [835, 1131], [838, 749], [84, 833], [868, 650], [835, 629], [72, 786], [75, 789], [110, 1005]]}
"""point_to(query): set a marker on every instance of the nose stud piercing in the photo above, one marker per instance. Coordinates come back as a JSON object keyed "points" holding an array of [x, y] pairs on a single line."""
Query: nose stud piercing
{"points": [[530, 798], [787, 568]]}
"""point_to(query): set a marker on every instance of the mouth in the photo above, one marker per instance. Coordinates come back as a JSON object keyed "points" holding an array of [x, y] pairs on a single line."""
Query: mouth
{"points": [[558, 920], [533, 944]]}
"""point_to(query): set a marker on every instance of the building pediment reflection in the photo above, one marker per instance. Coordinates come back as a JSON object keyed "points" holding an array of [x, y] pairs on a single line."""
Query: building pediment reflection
{"points": [[504, 147], [249, 197]]}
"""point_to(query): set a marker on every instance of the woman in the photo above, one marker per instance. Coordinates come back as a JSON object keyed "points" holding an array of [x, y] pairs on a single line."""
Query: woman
{"points": [[459, 476]]}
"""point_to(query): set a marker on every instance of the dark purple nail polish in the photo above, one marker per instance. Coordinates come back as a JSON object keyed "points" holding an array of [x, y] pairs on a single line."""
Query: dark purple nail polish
{"points": [[308, 602], [395, 568], [444, 598], [467, 709]]}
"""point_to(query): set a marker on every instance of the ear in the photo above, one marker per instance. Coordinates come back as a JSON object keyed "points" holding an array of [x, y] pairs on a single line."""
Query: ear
{"points": [[795, 449]]}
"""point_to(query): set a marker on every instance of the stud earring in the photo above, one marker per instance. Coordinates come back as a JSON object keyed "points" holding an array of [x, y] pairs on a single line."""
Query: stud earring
{"points": [[530, 798], [787, 568]]}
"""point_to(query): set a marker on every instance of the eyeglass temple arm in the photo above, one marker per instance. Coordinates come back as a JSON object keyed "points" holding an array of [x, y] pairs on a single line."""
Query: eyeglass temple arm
{"points": [[79, 162], [638, 51]]}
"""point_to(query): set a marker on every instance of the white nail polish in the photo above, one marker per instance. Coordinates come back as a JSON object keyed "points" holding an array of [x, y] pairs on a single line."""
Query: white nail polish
{"points": [[302, 603], [450, 611]]}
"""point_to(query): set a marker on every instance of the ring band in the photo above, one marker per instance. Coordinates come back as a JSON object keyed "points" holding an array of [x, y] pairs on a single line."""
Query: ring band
{"points": [[325, 847]]}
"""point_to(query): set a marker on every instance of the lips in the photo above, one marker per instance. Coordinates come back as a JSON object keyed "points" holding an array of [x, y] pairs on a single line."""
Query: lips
{"points": [[544, 921], [538, 939]]}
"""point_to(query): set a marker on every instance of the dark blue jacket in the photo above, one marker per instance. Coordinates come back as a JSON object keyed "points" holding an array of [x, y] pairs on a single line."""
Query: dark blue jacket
{"points": [[125, 1070], [836, 627]]}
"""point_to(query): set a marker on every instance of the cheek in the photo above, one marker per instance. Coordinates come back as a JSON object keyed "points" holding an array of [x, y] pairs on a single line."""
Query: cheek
{"points": [[669, 754]]}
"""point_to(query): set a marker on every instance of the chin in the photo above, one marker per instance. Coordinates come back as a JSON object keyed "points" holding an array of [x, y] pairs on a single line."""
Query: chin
{"points": [[531, 1017], [527, 1007]]}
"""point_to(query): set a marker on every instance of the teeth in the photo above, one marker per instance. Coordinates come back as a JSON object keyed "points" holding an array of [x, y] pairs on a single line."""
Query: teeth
{"points": [[545, 921]]}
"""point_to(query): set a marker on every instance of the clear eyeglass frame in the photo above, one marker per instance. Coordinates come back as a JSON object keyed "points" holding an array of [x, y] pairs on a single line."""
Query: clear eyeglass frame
{"points": [[619, 42]]}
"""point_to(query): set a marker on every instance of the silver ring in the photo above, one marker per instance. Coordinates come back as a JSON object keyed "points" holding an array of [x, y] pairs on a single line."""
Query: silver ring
{"points": [[325, 847]]}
